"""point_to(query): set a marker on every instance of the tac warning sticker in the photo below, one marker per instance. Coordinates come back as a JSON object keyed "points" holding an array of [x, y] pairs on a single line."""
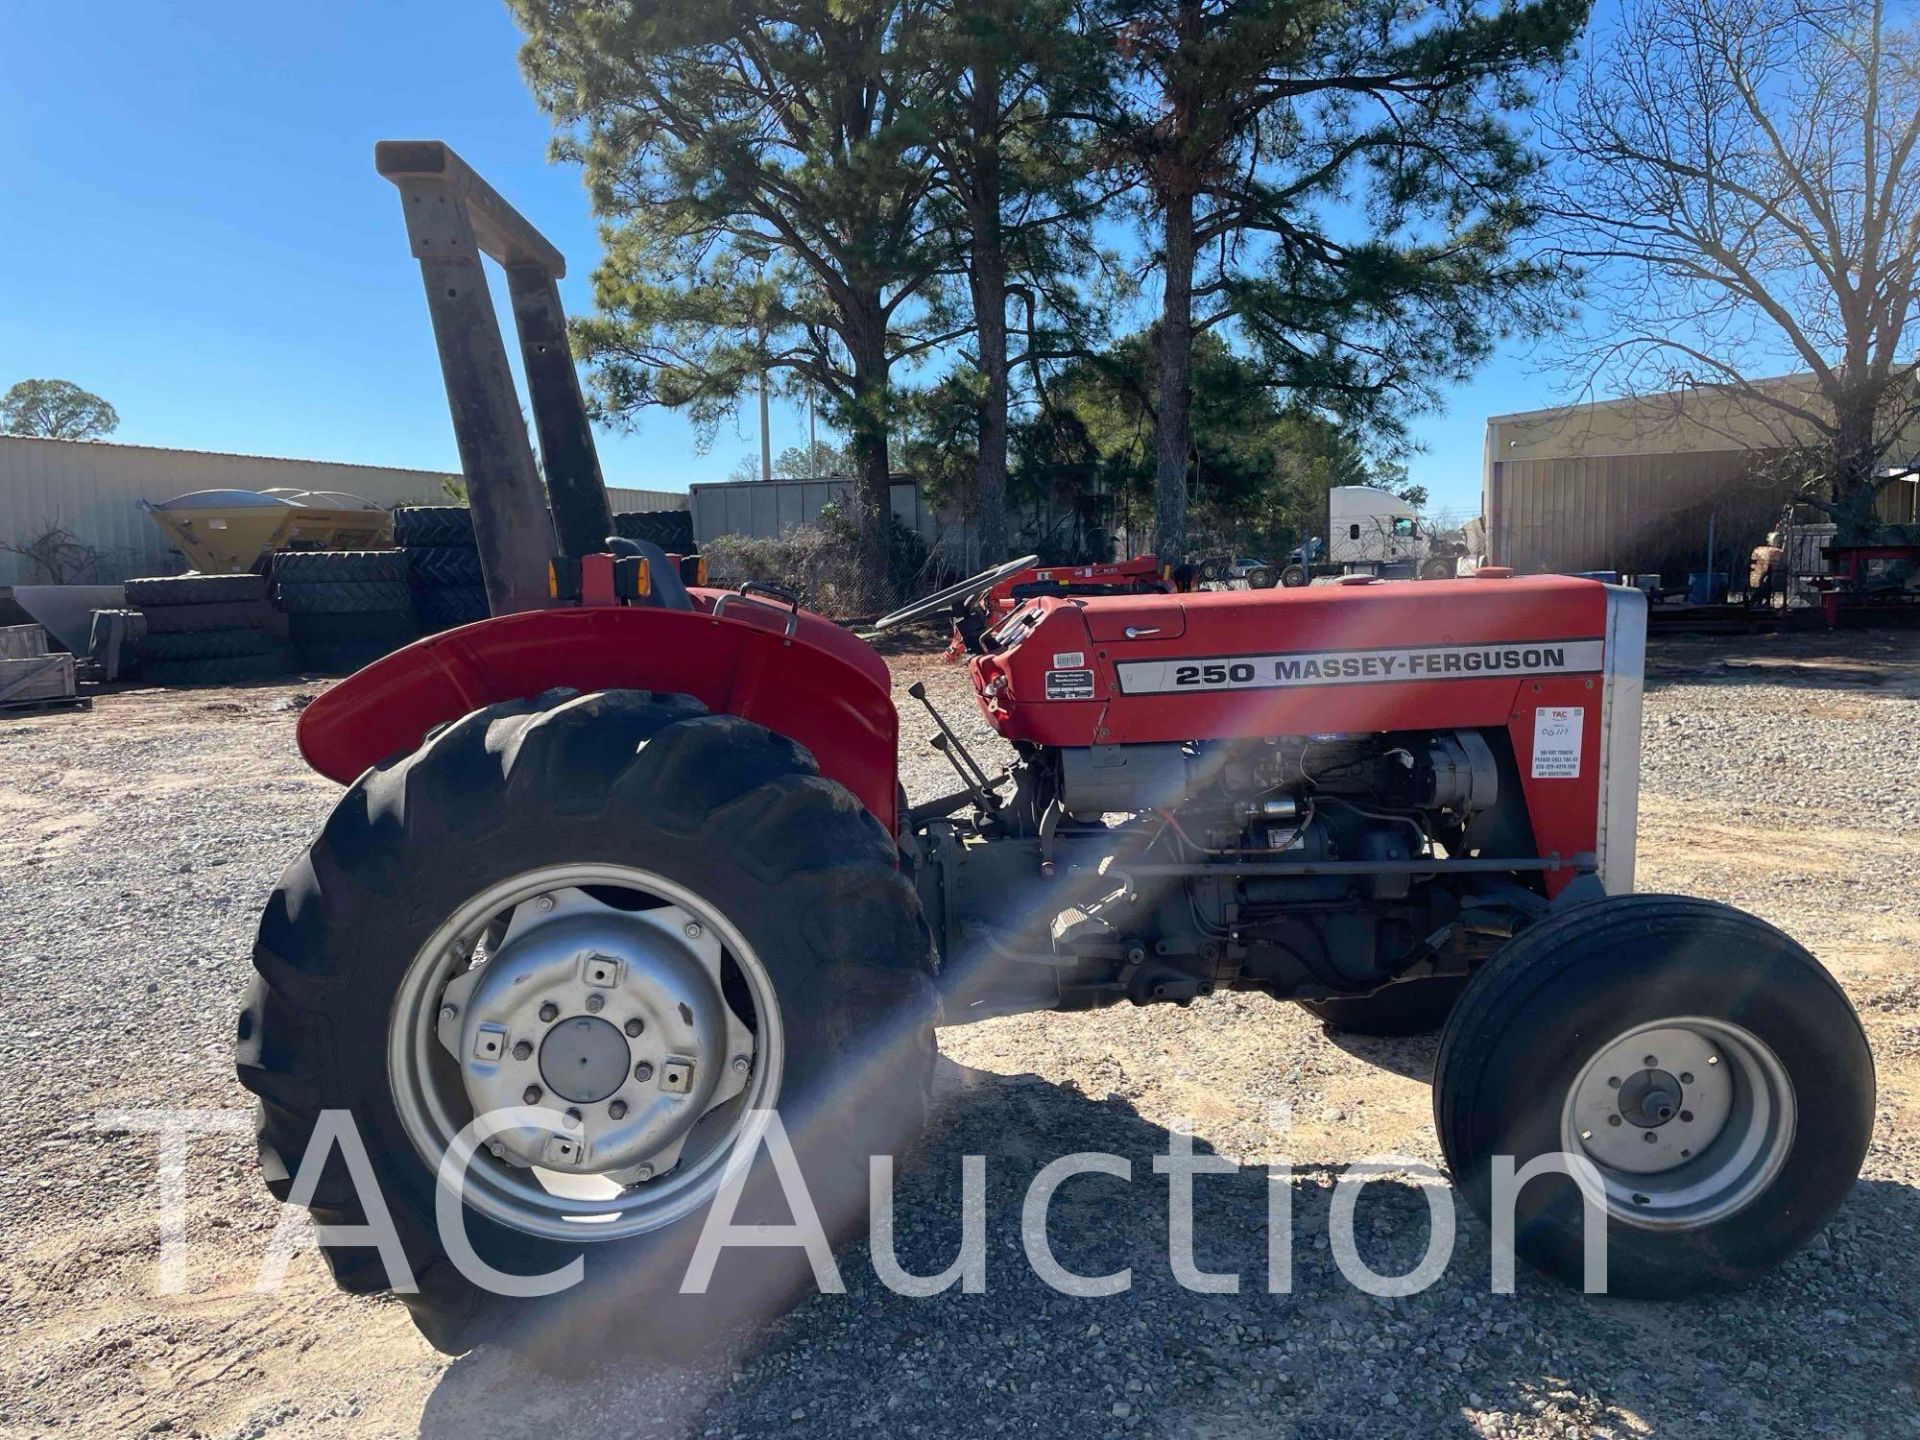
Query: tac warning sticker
{"points": [[1069, 684], [1069, 659], [1556, 741]]}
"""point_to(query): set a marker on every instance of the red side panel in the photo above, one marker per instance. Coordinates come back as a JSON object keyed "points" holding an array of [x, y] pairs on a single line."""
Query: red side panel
{"points": [[820, 687]]}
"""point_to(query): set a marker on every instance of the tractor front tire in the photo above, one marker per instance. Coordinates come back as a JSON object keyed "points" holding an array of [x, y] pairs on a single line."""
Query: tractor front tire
{"points": [[1708, 1070], [591, 813], [1413, 1007]]}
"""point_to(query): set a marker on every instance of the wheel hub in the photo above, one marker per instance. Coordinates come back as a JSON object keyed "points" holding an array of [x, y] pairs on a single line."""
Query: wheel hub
{"points": [[611, 1022], [1649, 1098], [1686, 1120], [584, 1059]]}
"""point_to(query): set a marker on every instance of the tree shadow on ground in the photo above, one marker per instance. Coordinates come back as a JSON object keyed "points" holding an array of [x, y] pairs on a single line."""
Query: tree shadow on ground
{"points": [[1823, 1347], [1878, 662]]}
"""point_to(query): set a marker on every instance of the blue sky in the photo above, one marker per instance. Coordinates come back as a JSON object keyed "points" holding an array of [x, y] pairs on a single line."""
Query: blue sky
{"points": [[191, 226]]}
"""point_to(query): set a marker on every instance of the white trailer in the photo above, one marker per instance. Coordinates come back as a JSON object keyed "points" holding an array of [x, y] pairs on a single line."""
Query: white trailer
{"points": [[1371, 532]]}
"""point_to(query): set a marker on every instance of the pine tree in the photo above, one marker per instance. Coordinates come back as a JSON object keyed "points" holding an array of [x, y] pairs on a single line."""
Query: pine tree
{"points": [[763, 181], [1333, 184]]}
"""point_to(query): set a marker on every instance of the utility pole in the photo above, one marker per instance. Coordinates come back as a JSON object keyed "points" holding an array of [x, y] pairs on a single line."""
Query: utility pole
{"points": [[766, 435]]}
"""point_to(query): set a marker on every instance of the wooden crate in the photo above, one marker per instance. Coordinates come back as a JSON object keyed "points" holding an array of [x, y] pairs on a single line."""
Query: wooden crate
{"points": [[36, 679], [22, 642]]}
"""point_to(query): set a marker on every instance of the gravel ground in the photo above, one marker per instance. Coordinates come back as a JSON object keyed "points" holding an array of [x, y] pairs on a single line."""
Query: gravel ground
{"points": [[1782, 775]]}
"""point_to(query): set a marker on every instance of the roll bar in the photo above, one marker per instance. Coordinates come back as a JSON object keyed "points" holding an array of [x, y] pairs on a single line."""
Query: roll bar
{"points": [[453, 219]]}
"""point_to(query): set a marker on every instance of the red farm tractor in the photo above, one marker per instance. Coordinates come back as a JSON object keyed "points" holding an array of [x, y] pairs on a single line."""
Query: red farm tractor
{"points": [[628, 864]]}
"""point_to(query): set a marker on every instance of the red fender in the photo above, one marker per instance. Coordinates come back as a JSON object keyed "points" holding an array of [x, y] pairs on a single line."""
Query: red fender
{"points": [[820, 686]]}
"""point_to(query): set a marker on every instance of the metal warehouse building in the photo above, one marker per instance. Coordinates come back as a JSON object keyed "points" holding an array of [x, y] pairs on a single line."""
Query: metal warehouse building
{"points": [[92, 490], [1638, 485]]}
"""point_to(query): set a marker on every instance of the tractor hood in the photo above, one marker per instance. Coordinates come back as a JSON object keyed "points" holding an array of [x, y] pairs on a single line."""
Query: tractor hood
{"points": [[1341, 658]]}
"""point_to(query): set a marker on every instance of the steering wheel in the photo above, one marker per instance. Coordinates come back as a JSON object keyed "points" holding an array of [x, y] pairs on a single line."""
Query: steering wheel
{"points": [[953, 595]]}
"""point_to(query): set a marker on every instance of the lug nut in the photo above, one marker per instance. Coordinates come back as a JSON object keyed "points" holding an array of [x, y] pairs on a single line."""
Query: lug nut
{"points": [[1686, 1117], [694, 932], [618, 1110], [643, 1071], [1613, 1081], [549, 1012], [497, 1150], [531, 1095], [741, 1064], [522, 1049], [596, 1003], [1651, 1138], [643, 1172], [1686, 1077], [1613, 1119], [1652, 1063], [543, 904], [573, 1119], [634, 1027], [447, 1012]]}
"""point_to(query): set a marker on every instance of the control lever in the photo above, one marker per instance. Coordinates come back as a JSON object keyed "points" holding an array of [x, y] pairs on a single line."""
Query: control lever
{"points": [[948, 744]]}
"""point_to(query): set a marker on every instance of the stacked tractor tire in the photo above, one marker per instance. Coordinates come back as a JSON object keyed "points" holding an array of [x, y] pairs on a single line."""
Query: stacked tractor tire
{"points": [[346, 608], [443, 567], [208, 630], [671, 530]]}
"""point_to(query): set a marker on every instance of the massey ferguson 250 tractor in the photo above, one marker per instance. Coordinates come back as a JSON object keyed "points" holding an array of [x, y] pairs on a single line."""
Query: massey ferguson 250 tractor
{"points": [[629, 862]]}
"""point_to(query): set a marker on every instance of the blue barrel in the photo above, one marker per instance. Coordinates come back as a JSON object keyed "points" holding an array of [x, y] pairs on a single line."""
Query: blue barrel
{"points": [[1704, 588]]}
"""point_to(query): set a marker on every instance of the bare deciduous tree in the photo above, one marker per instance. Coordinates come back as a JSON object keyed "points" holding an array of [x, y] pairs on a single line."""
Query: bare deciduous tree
{"points": [[1740, 179]]}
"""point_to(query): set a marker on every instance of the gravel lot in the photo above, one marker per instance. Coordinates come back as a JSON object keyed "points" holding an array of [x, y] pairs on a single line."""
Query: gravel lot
{"points": [[1782, 775]]}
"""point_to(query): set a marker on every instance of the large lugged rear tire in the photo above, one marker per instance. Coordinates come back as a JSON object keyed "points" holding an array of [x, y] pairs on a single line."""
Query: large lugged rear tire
{"points": [[343, 597], [582, 802], [432, 525], [1706, 1065], [335, 567], [208, 644], [221, 670], [157, 590]]}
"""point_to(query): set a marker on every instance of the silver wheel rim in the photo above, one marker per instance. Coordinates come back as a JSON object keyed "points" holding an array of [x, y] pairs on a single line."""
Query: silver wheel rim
{"points": [[650, 974], [1686, 1121]]}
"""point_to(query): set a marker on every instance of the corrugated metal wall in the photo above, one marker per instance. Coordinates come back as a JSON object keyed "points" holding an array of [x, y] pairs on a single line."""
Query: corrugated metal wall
{"points": [[625, 501], [1633, 513], [766, 508], [92, 489]]}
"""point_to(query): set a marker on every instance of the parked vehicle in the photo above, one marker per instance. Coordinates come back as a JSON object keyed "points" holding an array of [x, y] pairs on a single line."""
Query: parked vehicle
{"points": [[1372, 532]]}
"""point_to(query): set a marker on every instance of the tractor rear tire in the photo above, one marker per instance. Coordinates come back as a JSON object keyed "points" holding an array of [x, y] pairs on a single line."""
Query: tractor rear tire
{"points": [[415, 525], [435, 567], [389, 627], [1438, 567], [1293, 577], [157, 590], [208, 644], [727, 812], [323, 567], [450, 605], [1708, 1067], [226, 670], [342, 597], [233, 615], [1413, 1007]]}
